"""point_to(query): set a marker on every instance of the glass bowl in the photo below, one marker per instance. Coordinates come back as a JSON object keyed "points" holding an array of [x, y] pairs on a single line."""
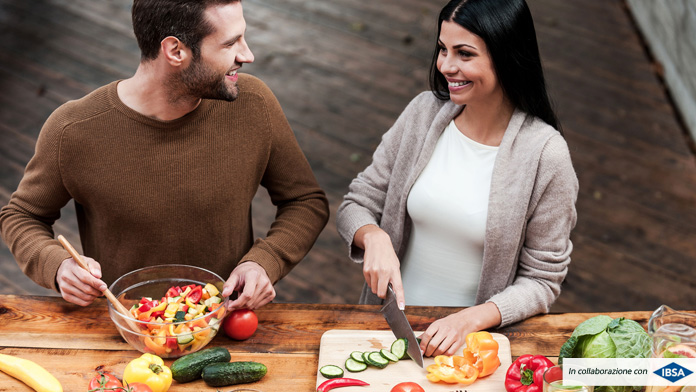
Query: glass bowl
{"points": [[171, 339]]}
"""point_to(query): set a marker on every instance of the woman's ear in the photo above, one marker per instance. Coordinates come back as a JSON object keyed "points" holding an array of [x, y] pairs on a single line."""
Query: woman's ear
{"points": [[174, 51]]}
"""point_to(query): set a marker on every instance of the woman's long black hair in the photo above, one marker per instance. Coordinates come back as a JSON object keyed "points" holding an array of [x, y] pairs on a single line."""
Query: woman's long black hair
{"points": [[507, 28]]}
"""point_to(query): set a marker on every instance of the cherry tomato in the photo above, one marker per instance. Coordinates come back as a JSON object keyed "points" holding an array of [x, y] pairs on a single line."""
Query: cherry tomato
{"points": [[407, 387], [104, 381], [240, 324], [138, 387]]}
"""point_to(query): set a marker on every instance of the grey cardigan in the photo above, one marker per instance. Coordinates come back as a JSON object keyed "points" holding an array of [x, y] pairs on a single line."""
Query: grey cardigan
{"points": [[531, 209]]}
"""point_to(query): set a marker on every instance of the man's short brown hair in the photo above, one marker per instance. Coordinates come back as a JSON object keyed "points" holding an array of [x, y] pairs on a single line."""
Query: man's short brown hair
{"points": [[154, 20]]}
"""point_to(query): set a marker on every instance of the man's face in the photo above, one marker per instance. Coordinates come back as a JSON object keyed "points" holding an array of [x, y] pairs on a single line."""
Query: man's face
{"points": [[213, 75]]}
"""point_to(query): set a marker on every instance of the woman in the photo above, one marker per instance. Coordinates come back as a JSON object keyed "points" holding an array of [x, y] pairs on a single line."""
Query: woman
{"points": [[470, 198]]}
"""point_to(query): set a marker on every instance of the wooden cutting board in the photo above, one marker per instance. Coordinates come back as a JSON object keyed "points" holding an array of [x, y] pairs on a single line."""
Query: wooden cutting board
{"points": [[337, 344]]}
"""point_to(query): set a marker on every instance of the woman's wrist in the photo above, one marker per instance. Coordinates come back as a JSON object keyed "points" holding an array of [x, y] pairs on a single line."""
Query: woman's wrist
{"points": [[368, 235], [482, 317]]}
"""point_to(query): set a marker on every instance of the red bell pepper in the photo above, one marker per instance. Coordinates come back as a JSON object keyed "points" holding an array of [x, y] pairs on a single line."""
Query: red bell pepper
{"points": [[526, 373], [144, 307], [173, 291], [195, 295]]}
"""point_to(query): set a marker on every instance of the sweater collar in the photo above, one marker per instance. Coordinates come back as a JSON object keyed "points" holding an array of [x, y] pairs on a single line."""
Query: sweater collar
{"points": [[116, 102]]}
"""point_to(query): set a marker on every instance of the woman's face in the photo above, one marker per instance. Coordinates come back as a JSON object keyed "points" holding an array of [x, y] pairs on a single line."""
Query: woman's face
{"points": [[464, 61]]}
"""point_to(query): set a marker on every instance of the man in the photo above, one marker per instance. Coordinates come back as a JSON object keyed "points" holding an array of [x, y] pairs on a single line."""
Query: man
{"points": [[163, 166]]}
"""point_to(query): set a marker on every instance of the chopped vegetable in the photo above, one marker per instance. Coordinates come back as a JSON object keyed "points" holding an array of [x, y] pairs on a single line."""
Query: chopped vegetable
{"points": [[185, 315], [526, 373], [331, 371], [400, 348], [479, 359], [354, 366], [452, 369], [340, 382], [482, 352]]}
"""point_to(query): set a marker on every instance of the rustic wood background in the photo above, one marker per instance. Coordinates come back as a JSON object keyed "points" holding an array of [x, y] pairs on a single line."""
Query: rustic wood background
{"points": [[343, 70]]}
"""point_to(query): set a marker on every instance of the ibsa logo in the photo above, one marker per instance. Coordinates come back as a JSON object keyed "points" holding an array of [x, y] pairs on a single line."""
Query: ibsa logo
{"points": [[673, 372]]}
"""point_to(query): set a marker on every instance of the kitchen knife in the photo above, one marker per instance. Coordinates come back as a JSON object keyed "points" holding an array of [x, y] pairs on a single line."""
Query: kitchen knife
{"points": [[399, 325]]}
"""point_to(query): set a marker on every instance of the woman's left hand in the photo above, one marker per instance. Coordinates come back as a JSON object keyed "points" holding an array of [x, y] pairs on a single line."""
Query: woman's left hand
{"points": [[446, 335]]}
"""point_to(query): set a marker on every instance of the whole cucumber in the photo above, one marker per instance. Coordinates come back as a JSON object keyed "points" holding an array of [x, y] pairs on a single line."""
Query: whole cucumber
{"points": [[230, 373], [189, 367]]}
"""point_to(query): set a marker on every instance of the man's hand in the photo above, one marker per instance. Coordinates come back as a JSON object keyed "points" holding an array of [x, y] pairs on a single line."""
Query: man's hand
{"points": [[78, 286], [252, 283]]}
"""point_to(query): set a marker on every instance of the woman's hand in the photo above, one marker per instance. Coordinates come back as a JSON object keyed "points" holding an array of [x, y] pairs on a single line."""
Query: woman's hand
{"points": [[446, 335], [380, 264]]}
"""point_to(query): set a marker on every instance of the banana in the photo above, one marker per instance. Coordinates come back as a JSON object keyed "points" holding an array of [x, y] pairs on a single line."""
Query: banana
{"points": [[30, 373]]}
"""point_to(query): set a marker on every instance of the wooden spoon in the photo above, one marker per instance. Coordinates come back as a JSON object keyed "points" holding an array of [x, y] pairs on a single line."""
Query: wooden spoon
{"points": [[107, 293]]}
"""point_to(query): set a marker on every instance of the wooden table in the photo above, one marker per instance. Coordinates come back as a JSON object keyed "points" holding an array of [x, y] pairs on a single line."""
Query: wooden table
{"points": [[73, 342]]}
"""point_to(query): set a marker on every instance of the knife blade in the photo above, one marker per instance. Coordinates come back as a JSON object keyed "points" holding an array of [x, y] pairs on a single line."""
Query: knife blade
{"points": [[400, 326]]}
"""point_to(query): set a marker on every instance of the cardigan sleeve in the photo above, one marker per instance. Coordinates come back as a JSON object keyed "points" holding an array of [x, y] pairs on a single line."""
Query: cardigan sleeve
{"points": [[545, 253], [367, 194]]}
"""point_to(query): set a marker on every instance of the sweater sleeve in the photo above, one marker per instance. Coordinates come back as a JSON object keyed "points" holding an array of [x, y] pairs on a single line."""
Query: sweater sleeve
{"points": [[302, 207], [26, 222], [545, 254]]}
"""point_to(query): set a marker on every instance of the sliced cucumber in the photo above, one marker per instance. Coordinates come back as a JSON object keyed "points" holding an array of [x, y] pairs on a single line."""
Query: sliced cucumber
{"points": [[399, 348], [331, 371], [214, 323], [354, 366], [357, 356], [184, 339], [377, 360], [389, 355], [365, 356]]}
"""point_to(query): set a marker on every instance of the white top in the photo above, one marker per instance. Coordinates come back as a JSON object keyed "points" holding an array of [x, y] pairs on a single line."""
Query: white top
{"points": [[448, 205]]}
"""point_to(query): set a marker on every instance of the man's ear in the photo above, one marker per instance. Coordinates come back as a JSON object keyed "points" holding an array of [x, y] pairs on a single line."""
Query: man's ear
{"points": [[174, 51]]}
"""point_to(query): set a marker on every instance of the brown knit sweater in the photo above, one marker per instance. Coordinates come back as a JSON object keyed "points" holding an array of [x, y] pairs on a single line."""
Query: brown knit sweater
{"points": [[153, 192]]}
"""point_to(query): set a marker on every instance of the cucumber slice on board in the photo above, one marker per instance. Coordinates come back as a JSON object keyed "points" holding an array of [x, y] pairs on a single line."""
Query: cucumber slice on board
{"points": [[377, 360], [357, 356], [399, 348], [389, 355], [331, 371], [354, 366]]}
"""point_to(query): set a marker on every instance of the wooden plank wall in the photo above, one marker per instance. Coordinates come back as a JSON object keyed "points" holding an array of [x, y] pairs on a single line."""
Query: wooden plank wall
{"points": [[343, 71]]}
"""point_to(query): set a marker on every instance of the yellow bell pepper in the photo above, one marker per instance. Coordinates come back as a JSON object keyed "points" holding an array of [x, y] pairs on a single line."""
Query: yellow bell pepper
{"points": [[482, 352], [452, 370], [149, 369]]}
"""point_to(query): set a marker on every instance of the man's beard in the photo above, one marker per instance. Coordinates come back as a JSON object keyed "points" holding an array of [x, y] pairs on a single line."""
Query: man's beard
{"points": [[200, 81]]}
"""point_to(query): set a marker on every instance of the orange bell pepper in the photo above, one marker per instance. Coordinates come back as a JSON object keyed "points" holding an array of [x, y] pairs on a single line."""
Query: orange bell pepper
{"points": [[482, 352], [452, 370]]}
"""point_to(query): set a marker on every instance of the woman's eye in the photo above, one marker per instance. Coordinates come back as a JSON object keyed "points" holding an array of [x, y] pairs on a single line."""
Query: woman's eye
{"points": [[464, 53], [443, 50]]}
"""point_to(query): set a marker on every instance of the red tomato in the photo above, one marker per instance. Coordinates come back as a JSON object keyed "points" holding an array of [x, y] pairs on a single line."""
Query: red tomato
{"points": [[240, 324], [407, 387], [138, 387], [104, 381]]}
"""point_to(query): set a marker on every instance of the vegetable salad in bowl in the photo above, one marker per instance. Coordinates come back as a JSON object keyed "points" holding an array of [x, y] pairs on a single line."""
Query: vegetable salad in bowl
{"points": [[169, 316]]}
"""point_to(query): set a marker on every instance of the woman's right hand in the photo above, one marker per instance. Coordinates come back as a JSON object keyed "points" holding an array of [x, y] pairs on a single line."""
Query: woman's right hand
{"points": [[380, 264], [78, 286]]}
